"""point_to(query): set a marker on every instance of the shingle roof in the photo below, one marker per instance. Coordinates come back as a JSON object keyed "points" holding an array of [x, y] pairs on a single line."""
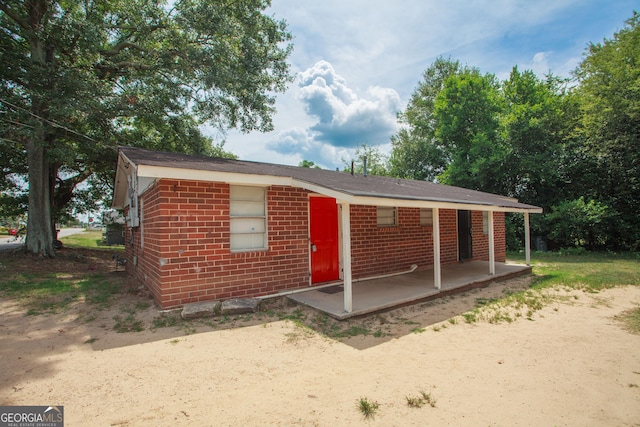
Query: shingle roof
{"points": [[343, 182]]}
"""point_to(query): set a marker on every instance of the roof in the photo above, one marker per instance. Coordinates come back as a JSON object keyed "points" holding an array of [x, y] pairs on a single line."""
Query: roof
{"points": [[354, 189]]}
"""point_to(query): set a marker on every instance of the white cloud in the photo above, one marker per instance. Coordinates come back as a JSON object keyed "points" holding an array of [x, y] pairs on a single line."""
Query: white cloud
{"points": [[344, 118], [300, 144], [341, 119]]}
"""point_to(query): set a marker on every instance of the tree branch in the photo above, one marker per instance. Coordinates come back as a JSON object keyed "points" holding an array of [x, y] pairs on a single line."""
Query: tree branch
{"points": [[24, 24], [119, 48]]}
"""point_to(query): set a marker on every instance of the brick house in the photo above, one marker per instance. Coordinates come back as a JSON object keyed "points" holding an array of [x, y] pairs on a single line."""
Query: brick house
{"points": [[201, 228]]}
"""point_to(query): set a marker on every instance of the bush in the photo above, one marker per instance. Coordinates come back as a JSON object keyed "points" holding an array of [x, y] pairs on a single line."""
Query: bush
{"points": [[576, 223]]}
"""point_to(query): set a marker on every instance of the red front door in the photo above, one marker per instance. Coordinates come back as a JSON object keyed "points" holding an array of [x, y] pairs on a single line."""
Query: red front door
{"points": [[323, 225]]}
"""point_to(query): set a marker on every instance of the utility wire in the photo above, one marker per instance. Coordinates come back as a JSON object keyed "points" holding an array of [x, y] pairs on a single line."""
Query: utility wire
{"points": [[55, 124], [13, 122], [10, 140]]}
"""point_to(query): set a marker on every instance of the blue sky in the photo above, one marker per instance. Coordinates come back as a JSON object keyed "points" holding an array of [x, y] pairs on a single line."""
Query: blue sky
{"points": [[357, 62]]}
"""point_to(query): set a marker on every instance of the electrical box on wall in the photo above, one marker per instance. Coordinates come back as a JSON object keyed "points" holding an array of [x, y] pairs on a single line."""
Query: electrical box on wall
{"points": [[132, 217]]}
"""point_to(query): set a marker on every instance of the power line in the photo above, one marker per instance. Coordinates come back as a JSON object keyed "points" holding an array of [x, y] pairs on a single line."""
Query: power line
{"points": [[10, 140], [55, 124], [18, 123]]}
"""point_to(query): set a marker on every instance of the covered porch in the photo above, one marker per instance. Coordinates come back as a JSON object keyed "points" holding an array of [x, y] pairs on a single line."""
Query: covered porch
{"points": [[373, 295]]}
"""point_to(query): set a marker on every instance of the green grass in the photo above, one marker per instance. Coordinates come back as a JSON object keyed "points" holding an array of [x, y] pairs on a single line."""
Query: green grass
{"points": [[569, 270], [631, 320], [367, 407], [128, 323], [583, 270], [90, 240], [53, 292]]}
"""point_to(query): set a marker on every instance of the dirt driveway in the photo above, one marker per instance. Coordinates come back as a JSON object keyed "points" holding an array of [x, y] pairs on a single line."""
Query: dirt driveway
{"points": [[571, 363]]}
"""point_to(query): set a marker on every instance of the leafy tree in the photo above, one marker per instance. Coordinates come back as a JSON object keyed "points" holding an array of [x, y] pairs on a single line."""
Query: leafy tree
{"points": [[609, 91], [308, 164], [417, 153], [537, 128], [80, 78], [376, 161], [579, 223], [466, 112], [538, 131]]}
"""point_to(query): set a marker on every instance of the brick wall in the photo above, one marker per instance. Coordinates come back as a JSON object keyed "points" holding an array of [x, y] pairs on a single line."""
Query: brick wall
{"points": [[381, 250], [181, 251], [448, 236], [186, 255], [142, 258], [481, 240]]}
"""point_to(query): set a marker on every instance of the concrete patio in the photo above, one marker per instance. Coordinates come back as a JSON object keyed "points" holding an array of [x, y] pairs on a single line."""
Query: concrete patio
{"points": [[379, 294]]}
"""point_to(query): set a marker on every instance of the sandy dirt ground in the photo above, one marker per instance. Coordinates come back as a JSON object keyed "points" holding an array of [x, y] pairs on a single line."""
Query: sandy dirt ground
{"points": [[571, 363]]}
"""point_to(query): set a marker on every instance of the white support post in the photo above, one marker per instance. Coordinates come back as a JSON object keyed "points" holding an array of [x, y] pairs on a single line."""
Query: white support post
{"points": [[492, 249], [527, 239], [346, 254], [437, 277]]}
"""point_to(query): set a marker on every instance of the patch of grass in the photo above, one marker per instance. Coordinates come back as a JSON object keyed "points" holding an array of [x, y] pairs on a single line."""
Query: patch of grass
{"points": [[485, 301], [89, 239], [188, 328], [582, 270], [367, 407], [166, 320], [379, 333], [128, 323], [428, 398], [470, 316], [420, 400], [418, 330], [142, 305], [332, 328], [300, 333], [297, 316], [630, 320], [352, 331], [414, 402], [52, 292]]}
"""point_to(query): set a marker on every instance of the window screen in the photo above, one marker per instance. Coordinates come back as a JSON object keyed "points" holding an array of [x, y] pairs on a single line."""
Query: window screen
{"points": [[248, 217], [386, 216], [426, 216]]}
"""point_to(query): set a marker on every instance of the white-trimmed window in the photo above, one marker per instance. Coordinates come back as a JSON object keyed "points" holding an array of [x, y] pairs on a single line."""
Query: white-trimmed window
{"points": [[426, 217], [248, 218], [387, 216]]}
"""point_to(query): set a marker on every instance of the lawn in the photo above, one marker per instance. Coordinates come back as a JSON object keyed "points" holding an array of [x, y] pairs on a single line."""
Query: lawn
{"points": [[89, 240], [583, 270]]}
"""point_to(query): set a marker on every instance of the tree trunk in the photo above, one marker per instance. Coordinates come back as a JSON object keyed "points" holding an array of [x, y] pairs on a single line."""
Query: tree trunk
{"points": [[39, 227], [39, 224]]}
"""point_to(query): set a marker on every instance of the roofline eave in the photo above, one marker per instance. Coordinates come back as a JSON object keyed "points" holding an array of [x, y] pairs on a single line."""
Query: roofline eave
{"points": [[341, 196]]}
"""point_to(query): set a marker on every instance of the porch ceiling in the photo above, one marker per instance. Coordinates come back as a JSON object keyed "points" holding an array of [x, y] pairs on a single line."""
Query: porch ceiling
{"points": [[380, 294]]}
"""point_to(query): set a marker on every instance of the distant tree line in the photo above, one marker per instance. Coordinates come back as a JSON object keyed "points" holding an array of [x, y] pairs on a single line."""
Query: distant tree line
{"points": [[571, 146]]}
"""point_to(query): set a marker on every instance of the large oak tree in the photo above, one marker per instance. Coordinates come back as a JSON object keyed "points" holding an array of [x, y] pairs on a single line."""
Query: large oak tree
{"points": [[81, 77]]}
